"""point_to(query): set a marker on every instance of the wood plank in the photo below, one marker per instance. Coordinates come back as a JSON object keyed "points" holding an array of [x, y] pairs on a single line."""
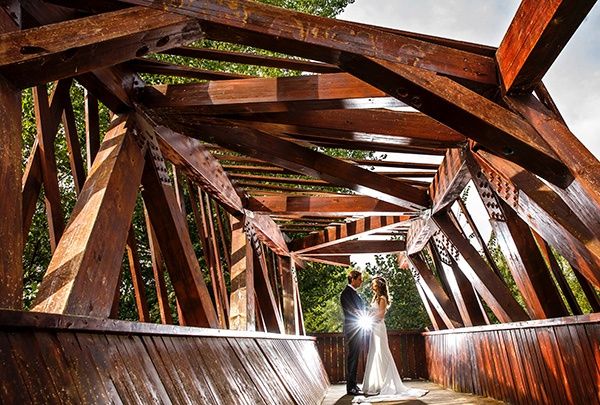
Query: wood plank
{"points": [[176, 246], [252, 59], [444, 305], [269, 233], [536, 36], [267, 95], [334, 260], [497, 129], [450, 180], [340, 233], [11, 261], [190, 156], [92, 127], [486, 282], [290, 32], [139, 286], [73, 146], [73, 281], [242, 302], [74, 47], [353, 247], [151, 66], [265, 296]]}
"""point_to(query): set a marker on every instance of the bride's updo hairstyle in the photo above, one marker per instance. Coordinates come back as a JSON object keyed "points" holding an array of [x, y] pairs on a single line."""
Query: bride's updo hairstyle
{"points": [[382, 290]]}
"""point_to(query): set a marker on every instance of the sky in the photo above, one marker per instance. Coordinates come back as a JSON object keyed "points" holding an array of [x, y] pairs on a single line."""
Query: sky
{"points": [[573, 80]]}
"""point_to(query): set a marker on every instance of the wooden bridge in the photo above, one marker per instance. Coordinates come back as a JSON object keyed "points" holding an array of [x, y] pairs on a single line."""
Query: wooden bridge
{"points": [[223, 181]]}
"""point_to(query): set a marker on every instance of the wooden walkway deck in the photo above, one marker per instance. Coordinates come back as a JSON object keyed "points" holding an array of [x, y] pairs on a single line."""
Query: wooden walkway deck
{"points": [[438, 395]]}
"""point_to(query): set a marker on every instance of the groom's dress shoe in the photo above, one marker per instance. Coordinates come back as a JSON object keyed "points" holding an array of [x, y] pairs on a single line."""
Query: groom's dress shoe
{"points": [[354, 391]]}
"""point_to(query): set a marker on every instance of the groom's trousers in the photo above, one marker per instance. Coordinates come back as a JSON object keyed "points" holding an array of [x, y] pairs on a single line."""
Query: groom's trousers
{"points": [[353, 342]]}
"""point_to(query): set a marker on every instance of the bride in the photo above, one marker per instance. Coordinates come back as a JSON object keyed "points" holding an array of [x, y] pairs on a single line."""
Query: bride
{"points": [[381, 375]]}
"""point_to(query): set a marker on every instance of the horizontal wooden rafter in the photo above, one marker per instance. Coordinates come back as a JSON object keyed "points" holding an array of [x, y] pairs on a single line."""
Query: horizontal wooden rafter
{"points": [[334, 260], [78, 46], [252, 59], [145, 65], [320, 38], [355, 247], [322, 205], [341, 233]]}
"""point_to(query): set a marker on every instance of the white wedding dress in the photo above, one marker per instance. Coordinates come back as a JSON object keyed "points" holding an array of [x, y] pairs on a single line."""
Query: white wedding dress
{"points": [[382, 381]]}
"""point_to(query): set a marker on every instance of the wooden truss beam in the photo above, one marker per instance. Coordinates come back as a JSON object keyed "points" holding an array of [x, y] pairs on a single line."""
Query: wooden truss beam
{"points": [[74, 47], [326, 91], [355, 247], [253, 59], [242, 308], [82, 276], [494, 127], [305, 161], [534, 39], [322, 39], [145, 65], [334, 260], [340, 233], [450, 180], [11, 260], [546, 212], [176, 247], [486, 282]]}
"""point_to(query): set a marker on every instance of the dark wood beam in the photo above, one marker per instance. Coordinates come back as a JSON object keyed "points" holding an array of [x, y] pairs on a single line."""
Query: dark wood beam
{"points": [[497, 129], [306, 161], [74, 47], [189, 155], [418, 234], [242, 308], [334, 260], [11, 227], [444, 305], [355, 247], [84, 271], [400, 124], [327, 91], [269, 233], [73, 146], [289, 287], [144, 65], [135, 269], [340, 233], [450, 180], [536, 36], [265, 295], [322, 39], [518, 245], [176, 247], [544, 210], [491, 288], [253, 59]]}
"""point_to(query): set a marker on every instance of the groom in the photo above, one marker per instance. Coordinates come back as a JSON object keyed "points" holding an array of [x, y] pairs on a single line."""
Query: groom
{"points": [[352, 305]]}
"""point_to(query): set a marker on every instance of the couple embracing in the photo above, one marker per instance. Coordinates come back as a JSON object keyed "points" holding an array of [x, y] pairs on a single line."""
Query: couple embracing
{"points": [[381, 381]]}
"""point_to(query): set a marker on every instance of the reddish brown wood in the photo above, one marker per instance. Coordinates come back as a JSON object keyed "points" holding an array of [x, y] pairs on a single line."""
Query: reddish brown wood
{"points": [[334, 260], [143, 65], [176, 246], [83, 273], [268, 95], [450, 180], [420, 231], [444, 305], [534, 39], [290, 32], [11, 261], [242, 309], [544, 210], [253, 59], [305, 161], [74, 147], [210, 208], [518, 245], [158, 270], [491, 288], [498, 129], [265, 298], [269, 233], [287, 272], [341, 233], [92, 127], [82, 45], [362, 247], [135, 269]]}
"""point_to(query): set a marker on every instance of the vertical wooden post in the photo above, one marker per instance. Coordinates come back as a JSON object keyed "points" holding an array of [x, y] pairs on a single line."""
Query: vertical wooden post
{"points": [[139, 288], [288, 281], [242, 311], [92, 127], [158, 270], [11, 259]]}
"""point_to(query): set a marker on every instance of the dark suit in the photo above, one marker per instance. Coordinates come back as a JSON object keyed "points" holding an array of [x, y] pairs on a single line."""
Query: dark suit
{"points": [[352, 305]]}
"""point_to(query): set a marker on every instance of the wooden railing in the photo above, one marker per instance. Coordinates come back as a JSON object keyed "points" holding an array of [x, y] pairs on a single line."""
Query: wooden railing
{"points": [[408, 350], [48, 358], [553, 361]]}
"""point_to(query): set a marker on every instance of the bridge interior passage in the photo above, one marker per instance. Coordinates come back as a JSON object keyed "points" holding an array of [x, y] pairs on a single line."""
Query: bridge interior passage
{"points": [[220, 186]]}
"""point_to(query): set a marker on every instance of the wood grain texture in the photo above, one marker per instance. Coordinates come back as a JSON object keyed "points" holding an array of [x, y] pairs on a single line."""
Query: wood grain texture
{"points": [[87, 260]]}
